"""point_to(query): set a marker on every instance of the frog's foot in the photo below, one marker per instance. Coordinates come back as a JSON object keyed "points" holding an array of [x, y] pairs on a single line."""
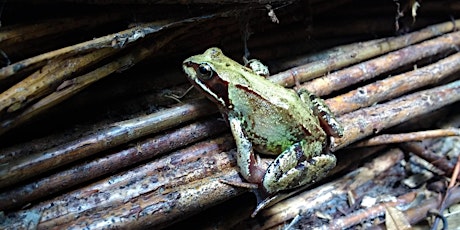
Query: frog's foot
{"points": [[240, 184], [299, 165], [258, 67]]}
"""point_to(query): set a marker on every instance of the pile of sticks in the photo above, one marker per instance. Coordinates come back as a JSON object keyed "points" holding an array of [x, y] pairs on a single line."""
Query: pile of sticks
{"points": [[158, 168]]}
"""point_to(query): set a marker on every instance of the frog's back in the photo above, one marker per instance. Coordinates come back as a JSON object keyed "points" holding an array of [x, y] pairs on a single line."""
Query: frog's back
{"points": [[274, 118]]}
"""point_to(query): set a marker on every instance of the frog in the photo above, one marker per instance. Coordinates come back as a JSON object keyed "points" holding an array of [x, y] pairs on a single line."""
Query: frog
{"points": [[266, 118]]}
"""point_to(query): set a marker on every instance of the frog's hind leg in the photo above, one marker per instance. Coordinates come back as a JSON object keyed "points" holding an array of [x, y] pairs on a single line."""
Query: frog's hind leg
{"points": [[299, 165], [327, 119]]}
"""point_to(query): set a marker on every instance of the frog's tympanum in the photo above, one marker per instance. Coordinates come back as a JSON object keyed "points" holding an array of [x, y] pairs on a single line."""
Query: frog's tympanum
{"points": [[269, 119]]}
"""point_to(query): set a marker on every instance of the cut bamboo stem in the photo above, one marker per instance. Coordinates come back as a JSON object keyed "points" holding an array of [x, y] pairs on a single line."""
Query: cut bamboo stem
{"points": [[42, 81], [116, 40], [365, 122], [109, 163], [115, 134], [374, 67], [406, 137], [315, 69], [73, 86]]}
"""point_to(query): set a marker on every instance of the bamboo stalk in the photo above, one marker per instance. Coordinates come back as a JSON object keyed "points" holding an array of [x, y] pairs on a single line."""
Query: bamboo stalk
{"points": [[316, 69], [42, 81], [116, 134], [70, 87], [116, 40], [365, 122], [373, 68], [109, 163], [397, 85], [406, 137]]}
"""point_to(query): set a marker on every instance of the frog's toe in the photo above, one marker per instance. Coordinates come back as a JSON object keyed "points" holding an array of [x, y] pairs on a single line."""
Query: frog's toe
{"points": [[305, 172]]}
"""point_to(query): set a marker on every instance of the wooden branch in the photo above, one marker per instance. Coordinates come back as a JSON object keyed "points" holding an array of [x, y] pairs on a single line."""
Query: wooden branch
{"points": [[108, 163], [42, 81], [406, 137], [421, 150], [116, 40], [115, 134], [397, 85], [172, 187], [178, 184], [69, 88], [365, 122], [375, 67], [318, 68]]}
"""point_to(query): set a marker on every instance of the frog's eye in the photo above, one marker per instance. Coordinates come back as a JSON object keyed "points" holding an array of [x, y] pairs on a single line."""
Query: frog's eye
{"points": [[205, 72]]}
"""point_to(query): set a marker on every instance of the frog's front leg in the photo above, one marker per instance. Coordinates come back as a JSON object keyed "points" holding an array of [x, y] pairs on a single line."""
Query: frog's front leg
{"points": [[327, 119], [246, 160], [298, 165]]}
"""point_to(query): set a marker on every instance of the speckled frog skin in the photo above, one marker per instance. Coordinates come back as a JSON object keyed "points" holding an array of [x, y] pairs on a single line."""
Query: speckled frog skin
{"points": [[270, 119]]}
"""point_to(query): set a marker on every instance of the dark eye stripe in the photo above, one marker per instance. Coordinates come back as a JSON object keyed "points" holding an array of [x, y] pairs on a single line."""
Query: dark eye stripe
{"points": [[214, 87], [219, 87]]}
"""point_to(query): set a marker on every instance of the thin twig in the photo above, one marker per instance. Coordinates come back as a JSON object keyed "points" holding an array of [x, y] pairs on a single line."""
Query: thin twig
{"points": [[75, 85], [116, 40], [42, 81], [146, 149], [316, 69], [116, 134], [450, 189], [420, 149], [374, 67], [405, 137], [365, 122]]}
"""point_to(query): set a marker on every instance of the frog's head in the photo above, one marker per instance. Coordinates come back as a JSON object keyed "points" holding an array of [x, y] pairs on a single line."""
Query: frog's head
{"points": [[212, 72]]}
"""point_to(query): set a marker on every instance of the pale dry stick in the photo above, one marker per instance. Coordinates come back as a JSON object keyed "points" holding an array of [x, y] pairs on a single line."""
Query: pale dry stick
{"points": [[15, 34], [15, 197], [115, 134], [397, 85], [367, 121], [179, 183], [116, 40], [46, 79], [425, 152], [374, 67], [355, 218], [316, 69], [405, 137], [334, 52], [75, 85]]}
